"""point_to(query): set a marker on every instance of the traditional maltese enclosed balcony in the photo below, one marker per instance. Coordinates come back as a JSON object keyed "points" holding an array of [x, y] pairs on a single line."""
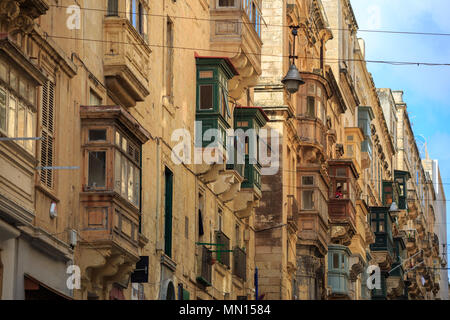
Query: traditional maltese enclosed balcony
{"points": [[383, 248], [365, 117], [236, 31], [111, 196], [341, 203], [311, 118], [213, 118], [402, 178], [352, 149], [338, 272], [126, 56], [247, 123]]}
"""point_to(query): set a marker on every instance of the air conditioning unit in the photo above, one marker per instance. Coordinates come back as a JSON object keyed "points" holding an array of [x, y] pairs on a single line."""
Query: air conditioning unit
{"points": [[73, 238]]}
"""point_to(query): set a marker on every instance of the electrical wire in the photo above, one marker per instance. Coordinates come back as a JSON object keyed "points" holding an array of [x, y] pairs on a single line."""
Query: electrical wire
{"points": [[329, 60], [266, 24]]}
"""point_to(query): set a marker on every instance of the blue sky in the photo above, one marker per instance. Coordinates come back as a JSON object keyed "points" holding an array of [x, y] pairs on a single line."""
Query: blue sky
{"points": [[426, 89]]}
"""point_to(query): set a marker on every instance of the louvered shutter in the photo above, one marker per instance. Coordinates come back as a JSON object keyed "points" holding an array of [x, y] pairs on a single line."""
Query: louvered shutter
{"points": [[47, 142]]}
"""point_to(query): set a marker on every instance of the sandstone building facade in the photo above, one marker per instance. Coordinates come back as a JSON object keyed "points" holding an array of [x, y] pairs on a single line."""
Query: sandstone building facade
{"points": [[105, 108]]}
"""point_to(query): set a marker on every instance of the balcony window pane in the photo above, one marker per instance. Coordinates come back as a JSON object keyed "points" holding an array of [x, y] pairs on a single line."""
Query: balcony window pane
{"points": [[308, 181], [97, 135], [341, 172], [130, 182], [206, 97], [226, 3], [310, 112], [23, 88], [124, 177], [3, 110], [117, 171], [350, 150], [335, 261], [3, 72], [97, 169], [117, 139], [30, 133], [113, 8], [13, 80], [12, 117], [308, 202], [137, 186], [21, 123]]}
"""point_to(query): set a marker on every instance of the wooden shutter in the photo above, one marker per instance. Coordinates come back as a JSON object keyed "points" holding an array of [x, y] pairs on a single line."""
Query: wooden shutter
{"points": [[47, 134]]}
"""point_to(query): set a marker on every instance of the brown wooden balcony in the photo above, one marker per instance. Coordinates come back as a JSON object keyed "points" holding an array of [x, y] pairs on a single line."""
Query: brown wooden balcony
{"points": [[352, 149], [342, 198], [236, 34], [126, 67], [110, 198]]}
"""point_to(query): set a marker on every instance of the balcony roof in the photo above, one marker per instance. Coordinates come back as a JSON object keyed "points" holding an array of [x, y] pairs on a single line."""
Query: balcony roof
{"points": [[263, 113], [227, 61], [118, 113]]}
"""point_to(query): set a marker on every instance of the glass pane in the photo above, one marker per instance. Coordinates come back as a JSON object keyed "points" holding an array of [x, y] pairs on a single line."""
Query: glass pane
{"points": [[206, 74], [124, 177], [3, 110], [341, 172], [310, 107], [335, 261], [137, 185], [117, 171], [226, 3], [308, 203], [97, 169], [124, 144], [21, 123], [30, 132], [3, 72], [308, 181], [206, 97], [130, 182], [97, 135], [23, 88], [13, 80], [118, 139], [12, 117]]}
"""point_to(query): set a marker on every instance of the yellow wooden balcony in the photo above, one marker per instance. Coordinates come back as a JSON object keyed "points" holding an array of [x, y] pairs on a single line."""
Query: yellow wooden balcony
{"points": [[126, 66], [236, 34]]}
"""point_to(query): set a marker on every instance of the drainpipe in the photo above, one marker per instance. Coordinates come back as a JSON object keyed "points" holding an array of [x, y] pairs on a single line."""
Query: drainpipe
{"points": [[256, 283]]}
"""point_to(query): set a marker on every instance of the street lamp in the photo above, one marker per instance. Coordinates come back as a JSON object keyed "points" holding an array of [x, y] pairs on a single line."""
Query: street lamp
{"points": [[293, 80]]}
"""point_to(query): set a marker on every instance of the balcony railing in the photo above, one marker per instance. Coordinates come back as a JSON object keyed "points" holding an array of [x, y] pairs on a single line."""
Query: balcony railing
{"points": [[240, 263], [223, 244], [205, 267]]}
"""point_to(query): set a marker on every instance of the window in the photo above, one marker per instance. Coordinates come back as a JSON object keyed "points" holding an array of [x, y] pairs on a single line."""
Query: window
{"points": [[237, 237], [310, 109], [97, 135], [308, 200], [227, 3], [113, 8], [127, 169], [137, 15], [94, 99], [308, 181], [206, 97], [17, 104], [97, 169]]}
